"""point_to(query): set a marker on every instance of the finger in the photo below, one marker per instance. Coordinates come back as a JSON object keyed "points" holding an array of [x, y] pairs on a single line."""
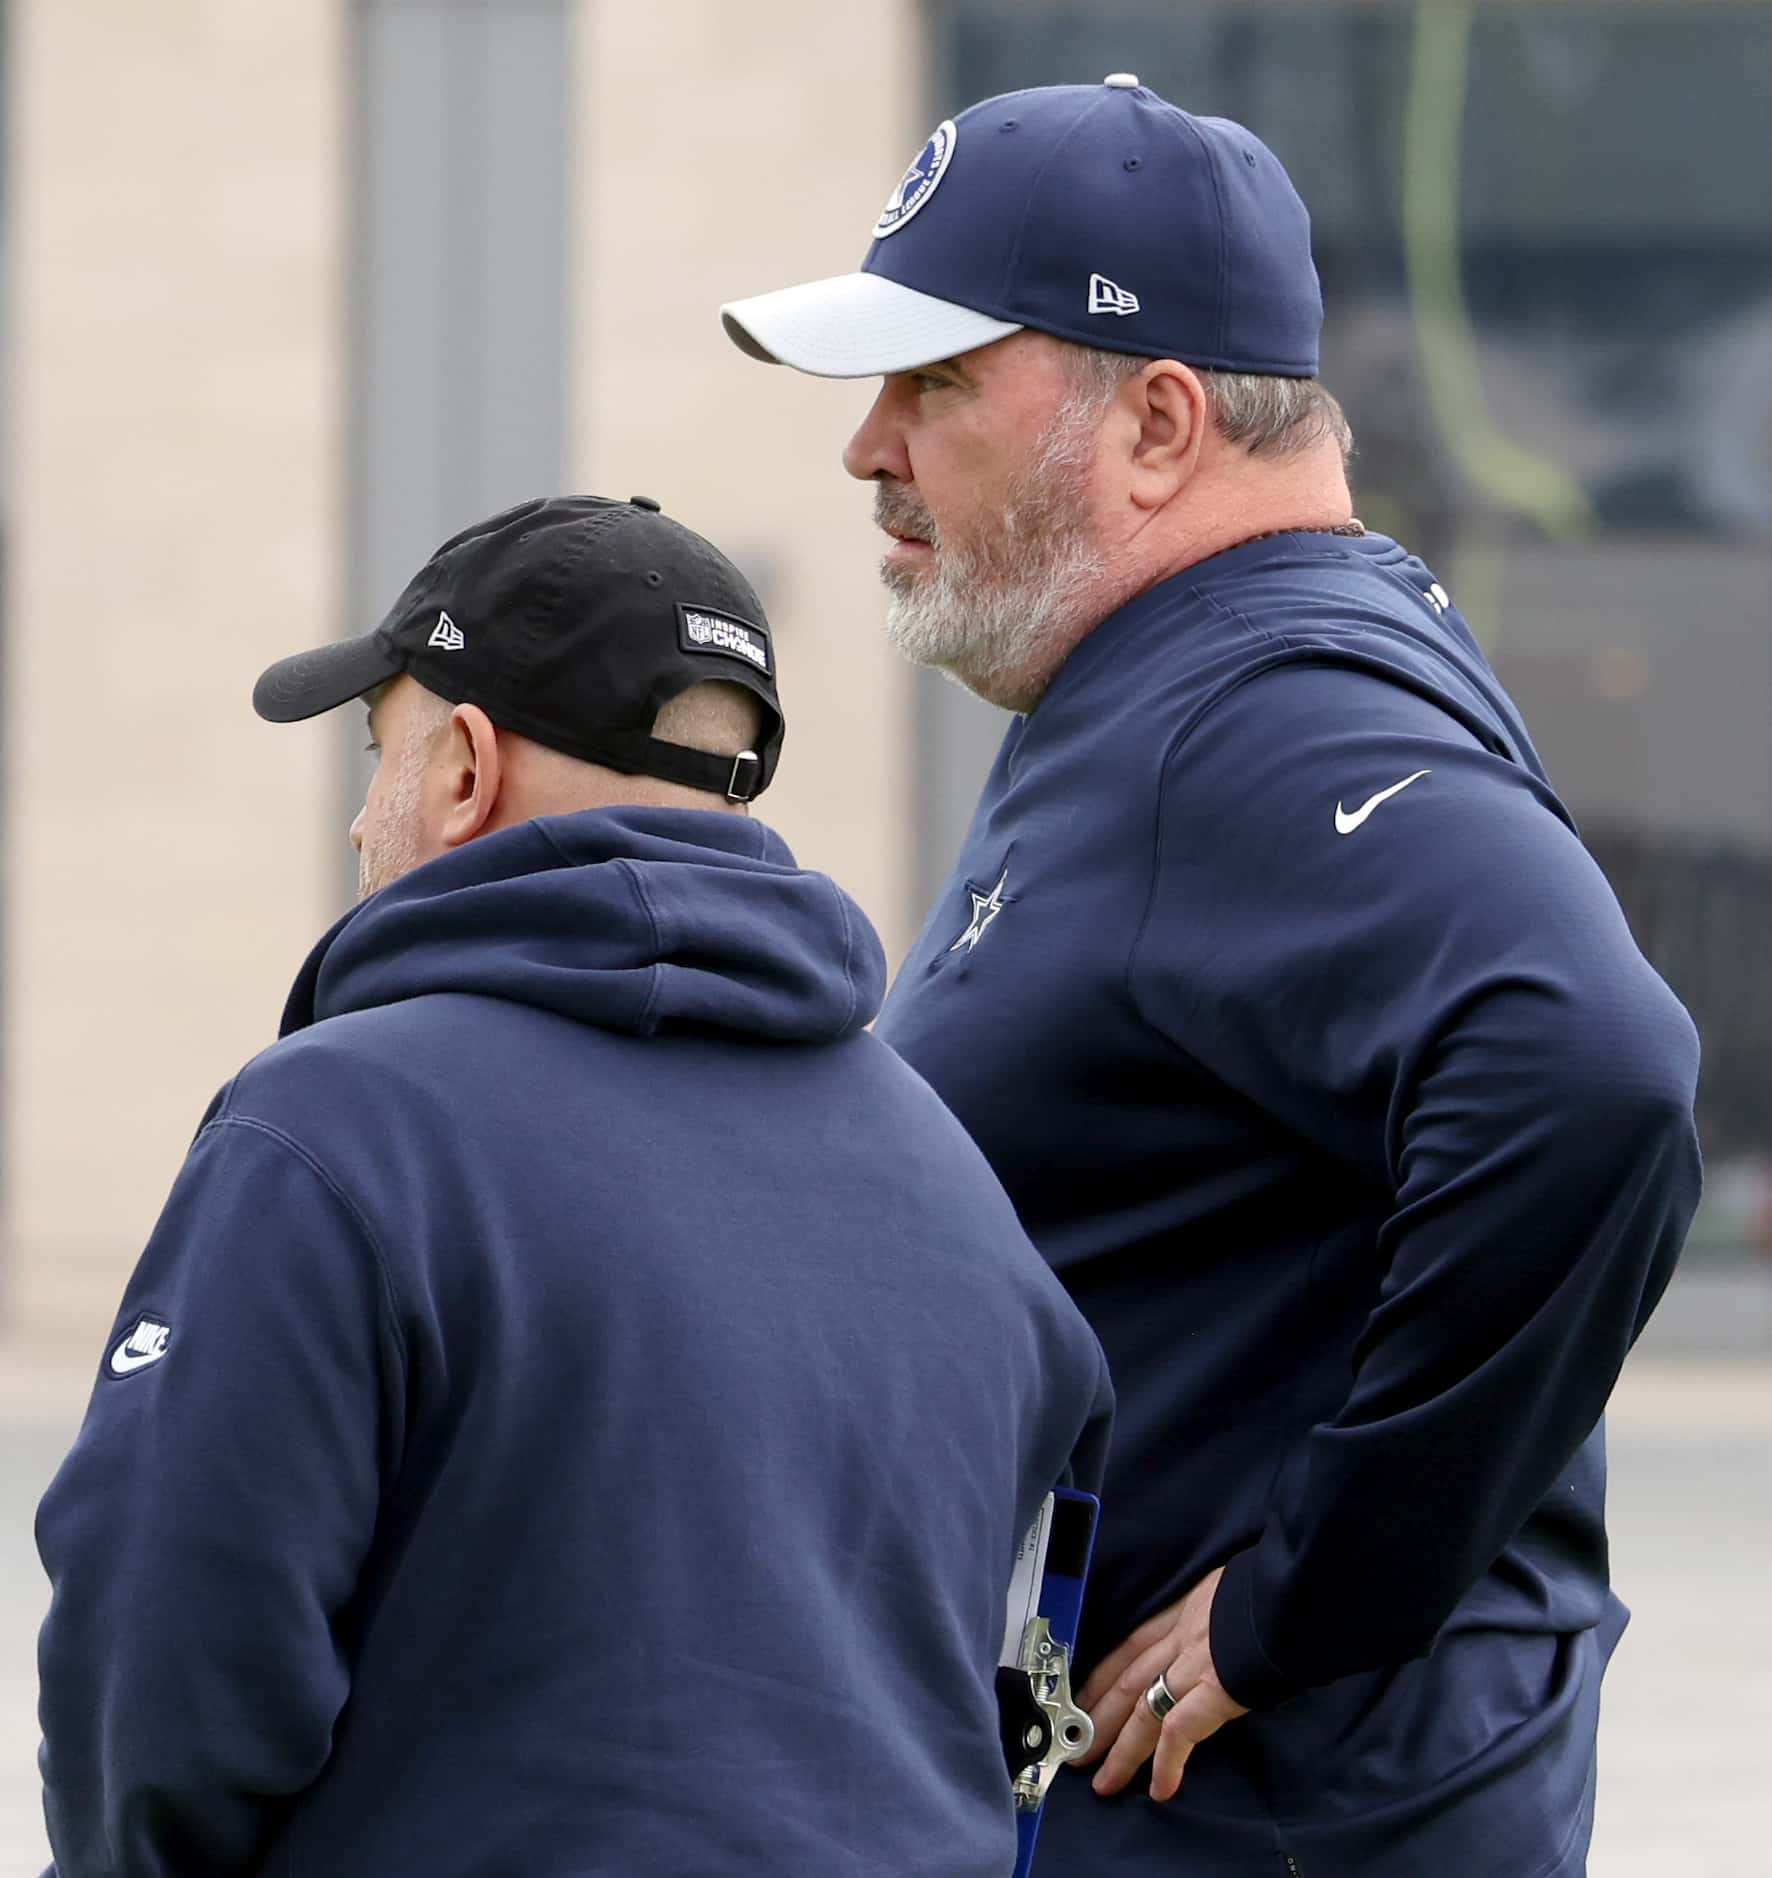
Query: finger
{"points": [[1109, 1715], [1198, 1715], [1112, 1666], [1125, 1697], [1131, 1749], [1106, 1673], [1165, 1657], [1130, 1745]]}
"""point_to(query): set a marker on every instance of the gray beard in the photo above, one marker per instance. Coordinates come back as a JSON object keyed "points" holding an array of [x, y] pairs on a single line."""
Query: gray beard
{"points": [[997, 613], [390, 849]]}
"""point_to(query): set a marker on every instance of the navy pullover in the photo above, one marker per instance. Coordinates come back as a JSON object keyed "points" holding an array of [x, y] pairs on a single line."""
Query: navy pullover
{"points": [[1319, 1062], [575, 1414]]}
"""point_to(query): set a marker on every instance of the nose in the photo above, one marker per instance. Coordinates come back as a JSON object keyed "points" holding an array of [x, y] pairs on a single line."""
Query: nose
{"points": [[877, 448], [357, 828]]}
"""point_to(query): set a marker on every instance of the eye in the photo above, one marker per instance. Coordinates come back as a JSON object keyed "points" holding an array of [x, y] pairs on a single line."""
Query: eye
{"points": [[372, 748], [929, 381]]}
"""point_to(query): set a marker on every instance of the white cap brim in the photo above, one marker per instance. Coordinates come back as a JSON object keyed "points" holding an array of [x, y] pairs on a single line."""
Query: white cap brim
{"points": [[856, 326]]}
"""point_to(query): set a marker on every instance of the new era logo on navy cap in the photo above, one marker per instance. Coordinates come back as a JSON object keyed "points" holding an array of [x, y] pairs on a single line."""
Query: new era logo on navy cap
{"points": [[1100, 213], [1108, 296]]}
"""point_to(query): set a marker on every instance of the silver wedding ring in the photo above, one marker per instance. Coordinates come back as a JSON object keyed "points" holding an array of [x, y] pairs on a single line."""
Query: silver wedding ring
{"points": [[1158, 1699]]}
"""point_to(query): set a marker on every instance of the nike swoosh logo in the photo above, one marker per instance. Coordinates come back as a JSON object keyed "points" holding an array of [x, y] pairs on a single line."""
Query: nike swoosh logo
{"points": [[122, 1362], [126, 1361], [1345, 824]]}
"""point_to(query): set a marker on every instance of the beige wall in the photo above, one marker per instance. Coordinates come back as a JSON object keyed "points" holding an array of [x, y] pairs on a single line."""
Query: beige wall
{"points": [[176, 347], [725, 150], [177, 365]]}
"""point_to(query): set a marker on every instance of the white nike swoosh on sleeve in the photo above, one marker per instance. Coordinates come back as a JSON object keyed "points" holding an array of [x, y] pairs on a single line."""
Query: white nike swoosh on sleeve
{"points": [[1345, 824]]}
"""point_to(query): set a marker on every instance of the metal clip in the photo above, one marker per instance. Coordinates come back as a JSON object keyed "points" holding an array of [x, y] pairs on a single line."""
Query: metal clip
{"points": [[747, 770], [1062, 1732]]}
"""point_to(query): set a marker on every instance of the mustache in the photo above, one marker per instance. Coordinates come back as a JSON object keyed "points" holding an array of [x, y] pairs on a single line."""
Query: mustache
{"points": [[899, 509]]}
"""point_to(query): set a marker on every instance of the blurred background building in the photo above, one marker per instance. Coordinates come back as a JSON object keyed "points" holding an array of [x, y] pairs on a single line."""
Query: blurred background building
{"points": [[297, 290], [294, 289]]}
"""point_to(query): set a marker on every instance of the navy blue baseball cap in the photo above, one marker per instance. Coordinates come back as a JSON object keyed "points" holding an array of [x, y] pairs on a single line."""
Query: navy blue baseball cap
{"points": [[1100, 213]]}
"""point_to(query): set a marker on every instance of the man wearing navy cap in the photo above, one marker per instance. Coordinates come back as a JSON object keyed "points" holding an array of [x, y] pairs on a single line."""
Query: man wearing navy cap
{"points": [[1275, 983], [530, 1441]]}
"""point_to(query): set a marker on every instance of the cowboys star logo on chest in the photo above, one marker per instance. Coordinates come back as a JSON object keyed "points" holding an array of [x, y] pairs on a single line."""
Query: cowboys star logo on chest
{"points": [[986, 905]]}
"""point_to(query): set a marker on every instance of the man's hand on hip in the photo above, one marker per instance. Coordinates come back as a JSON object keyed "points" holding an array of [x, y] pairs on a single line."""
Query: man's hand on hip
{"points": [[1176, 1645]]}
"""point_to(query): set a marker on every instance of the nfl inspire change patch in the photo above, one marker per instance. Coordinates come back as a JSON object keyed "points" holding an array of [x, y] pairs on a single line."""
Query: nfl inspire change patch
{"points": [[701, 629]]}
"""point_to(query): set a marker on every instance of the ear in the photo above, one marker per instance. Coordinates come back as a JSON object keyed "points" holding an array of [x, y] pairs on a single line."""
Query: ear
{"points": [[473, 768], [1173, 419]]}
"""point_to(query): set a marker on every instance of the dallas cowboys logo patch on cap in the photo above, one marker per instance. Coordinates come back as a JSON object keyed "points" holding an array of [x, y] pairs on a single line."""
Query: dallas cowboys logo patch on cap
{"points": [[917, 184]]}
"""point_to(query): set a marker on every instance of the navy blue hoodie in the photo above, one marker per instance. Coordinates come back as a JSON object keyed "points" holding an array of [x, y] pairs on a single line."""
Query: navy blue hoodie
{"points": [[1318, 1059], [575, 1414]]}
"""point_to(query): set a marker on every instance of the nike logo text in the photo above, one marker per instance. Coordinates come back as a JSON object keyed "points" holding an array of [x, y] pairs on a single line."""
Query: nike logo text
{"points": [[145, 1344], [1345, 824]]}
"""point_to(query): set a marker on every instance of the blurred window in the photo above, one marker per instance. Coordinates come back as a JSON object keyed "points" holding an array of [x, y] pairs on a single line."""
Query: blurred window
{"points": [[459, 316]]}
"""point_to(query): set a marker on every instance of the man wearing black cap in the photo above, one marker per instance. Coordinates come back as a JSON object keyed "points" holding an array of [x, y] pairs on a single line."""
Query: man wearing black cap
{"points": [[1274, 982], [579, 1405]]}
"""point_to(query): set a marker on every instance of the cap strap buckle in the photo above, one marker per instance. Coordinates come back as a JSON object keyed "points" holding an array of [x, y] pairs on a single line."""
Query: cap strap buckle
{"points": [[747, 775]]}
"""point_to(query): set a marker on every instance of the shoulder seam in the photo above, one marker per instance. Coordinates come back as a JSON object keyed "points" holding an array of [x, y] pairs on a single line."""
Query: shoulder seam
{"points": [[390, 1298], [1237, 616]]}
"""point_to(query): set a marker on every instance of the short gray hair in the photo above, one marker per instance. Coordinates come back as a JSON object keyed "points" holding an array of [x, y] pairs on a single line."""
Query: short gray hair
{"points": [[1273, 416], [715, 716]]}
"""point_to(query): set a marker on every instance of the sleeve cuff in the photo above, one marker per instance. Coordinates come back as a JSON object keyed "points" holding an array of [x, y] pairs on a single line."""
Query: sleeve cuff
{"points": [[1245, 1670]]}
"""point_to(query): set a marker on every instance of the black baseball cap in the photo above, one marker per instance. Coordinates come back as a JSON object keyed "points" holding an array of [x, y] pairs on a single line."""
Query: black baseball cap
{"points": [[572, 620]]}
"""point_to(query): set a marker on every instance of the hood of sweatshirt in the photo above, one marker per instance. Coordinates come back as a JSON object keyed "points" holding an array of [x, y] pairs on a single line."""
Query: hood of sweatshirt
{"points": [[635, 920]]}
